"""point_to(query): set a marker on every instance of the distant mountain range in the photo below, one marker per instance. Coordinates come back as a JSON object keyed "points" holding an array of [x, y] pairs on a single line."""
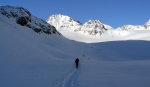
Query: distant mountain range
{"points": [[91, 31], [93, 27]]}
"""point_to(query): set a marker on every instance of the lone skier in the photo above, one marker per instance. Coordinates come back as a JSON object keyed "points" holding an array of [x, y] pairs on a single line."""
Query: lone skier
{"points": [[77, 62]]}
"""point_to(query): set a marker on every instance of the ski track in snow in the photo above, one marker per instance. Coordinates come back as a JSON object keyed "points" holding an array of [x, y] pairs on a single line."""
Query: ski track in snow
{"points": [[70, 80]]}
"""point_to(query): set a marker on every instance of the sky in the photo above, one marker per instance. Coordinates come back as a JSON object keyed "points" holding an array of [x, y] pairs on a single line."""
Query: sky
{"points": [[115, 13]]}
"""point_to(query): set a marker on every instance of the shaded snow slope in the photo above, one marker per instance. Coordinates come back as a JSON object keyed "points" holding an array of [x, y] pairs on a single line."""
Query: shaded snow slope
{"points": [[29, 59]]}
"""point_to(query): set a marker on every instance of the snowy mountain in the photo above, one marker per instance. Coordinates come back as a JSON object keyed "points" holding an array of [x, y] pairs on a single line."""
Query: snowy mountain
{"points": [[30, 59], [62, 21], [136, 27], [24, 18], [132, 27], [96, 31], [94, 27]]}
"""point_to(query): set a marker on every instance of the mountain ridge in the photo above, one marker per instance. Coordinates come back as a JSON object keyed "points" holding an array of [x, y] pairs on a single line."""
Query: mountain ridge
{"points": [[145, 26], [23, 17], [92, 27], [96, 31]]}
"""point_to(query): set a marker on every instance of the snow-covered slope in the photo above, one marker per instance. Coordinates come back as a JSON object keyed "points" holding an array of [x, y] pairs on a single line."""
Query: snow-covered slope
{"points": [[29, 59]]}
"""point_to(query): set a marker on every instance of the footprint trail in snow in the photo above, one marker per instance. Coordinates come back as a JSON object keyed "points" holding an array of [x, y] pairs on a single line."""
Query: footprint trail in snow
{"points": [[70, 80]]}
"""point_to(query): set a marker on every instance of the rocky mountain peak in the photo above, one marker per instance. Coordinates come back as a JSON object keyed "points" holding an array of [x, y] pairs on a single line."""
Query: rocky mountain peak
{"points": [[147, 24], [93, 27], [24, 18], [95, 24], [13, 11], [62, 21]]}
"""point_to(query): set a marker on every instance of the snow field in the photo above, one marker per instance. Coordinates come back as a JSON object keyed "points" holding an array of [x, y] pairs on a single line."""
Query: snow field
{"points": [[29, 59]]}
